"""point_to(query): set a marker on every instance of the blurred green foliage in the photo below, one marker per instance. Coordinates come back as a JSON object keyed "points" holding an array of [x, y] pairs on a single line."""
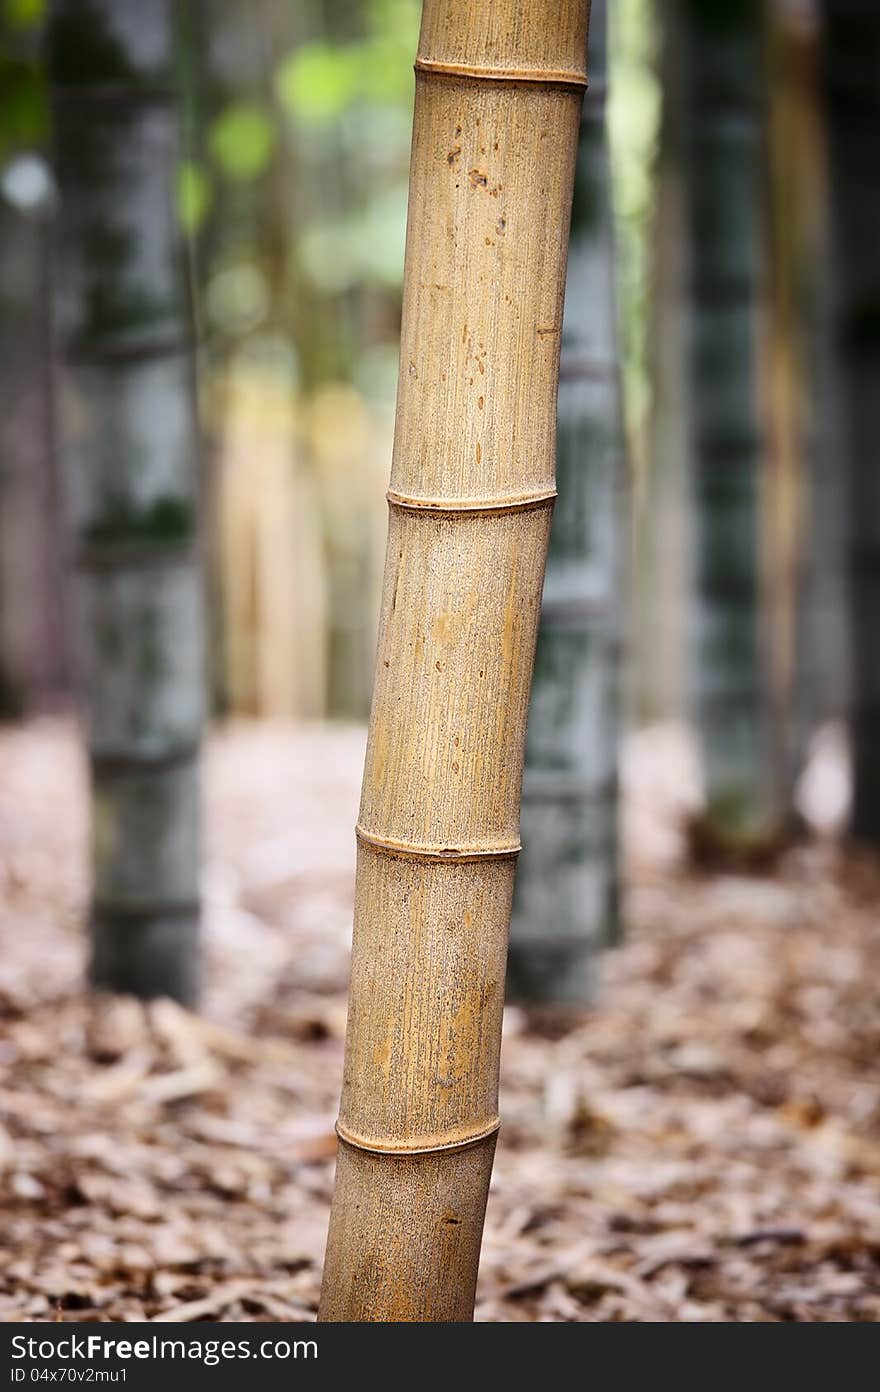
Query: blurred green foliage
{"points": [[353, 102], [242, 138], [318, 82], [21, 15], [297, 179], [193, 195], [364, 245], [634, 127], [24, 109]]}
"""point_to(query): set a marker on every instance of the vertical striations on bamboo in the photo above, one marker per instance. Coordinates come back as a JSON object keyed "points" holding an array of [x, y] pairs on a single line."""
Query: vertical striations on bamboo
{"points": [[498, 96], [565, 900], [128, 450], [852, 86]]}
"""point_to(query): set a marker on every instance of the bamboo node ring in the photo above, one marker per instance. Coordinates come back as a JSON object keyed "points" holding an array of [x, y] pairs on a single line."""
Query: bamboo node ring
{"points": [[420, 1145], [507, 850], [513, 502], [551, 77]]}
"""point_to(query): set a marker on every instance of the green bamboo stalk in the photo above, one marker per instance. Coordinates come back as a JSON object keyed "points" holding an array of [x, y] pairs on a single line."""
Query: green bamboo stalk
{"points": [[128, 450], [32, 666], [566, 896], [31, 650], [721, 95]]}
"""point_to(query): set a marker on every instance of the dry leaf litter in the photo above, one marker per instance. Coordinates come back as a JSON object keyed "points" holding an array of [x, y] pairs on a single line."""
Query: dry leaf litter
{"points": [[702, 1145]]}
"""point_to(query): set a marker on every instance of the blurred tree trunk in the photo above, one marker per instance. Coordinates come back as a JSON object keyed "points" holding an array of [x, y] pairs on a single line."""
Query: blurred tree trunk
{"points": [[734, 692], [824, 648], [852, 87], [32, 665], [472, 485], [33, 672], [805, 503], [330, 326], [664, 511], [565, 900], [128, 445], [242, 235]]}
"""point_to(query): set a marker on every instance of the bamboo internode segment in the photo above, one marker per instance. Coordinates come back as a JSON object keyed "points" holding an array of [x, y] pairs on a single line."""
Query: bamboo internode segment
{"points": [[498, 97], [548, 35], [409, 1254]]}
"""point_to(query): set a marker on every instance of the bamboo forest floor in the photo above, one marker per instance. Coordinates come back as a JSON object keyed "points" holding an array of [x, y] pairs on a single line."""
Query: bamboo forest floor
{"points": [[704, 1145]]}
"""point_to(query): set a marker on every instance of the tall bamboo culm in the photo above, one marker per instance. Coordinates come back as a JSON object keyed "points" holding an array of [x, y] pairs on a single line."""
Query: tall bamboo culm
{"points": [[128, 449], [722, 133], [852, 74], [565, 901], [498, 96]]}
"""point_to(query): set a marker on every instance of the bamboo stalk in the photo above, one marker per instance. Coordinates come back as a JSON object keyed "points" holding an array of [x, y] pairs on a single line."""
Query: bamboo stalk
{"points": [[852, 60], [721, 76], [824, 661], [472, 485], [128, 450], [663, 507], [801, 548], [565, 901]]}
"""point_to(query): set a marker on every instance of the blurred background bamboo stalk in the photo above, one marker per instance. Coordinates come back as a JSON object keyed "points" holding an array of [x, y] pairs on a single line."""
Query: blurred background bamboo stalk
{"points": [[722, 92], [128, 444], [566, 896], [33, 648], [852, 90], [742, 574]]}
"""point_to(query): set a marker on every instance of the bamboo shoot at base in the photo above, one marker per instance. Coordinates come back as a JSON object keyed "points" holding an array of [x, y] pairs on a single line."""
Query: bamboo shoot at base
{"points": [[494, 142]]}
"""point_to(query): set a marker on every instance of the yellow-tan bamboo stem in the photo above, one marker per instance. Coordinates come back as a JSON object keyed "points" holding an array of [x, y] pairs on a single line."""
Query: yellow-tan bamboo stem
{"points": [[499, 86]]}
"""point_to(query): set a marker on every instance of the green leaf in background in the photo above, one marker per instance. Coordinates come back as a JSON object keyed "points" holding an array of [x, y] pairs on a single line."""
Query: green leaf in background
{"points": [[24, 14], [242, 139], [193, 195], [318, 81]]}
